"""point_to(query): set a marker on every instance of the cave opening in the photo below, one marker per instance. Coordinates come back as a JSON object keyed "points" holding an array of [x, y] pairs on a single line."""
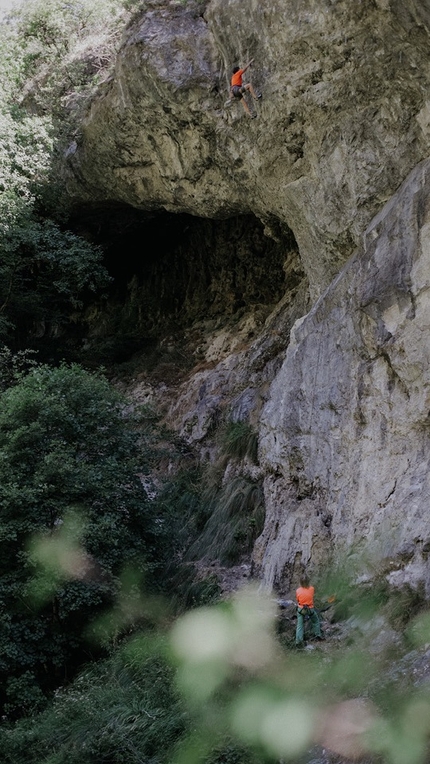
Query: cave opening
{"points": [[172, 271]]}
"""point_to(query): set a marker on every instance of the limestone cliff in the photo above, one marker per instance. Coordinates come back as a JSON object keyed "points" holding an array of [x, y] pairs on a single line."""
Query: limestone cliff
{"points": [[345, 432], [345, 116], [342, 407]]}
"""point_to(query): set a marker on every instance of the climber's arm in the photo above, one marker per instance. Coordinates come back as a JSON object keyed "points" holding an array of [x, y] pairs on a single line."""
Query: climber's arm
{"points": [[248, 65]]}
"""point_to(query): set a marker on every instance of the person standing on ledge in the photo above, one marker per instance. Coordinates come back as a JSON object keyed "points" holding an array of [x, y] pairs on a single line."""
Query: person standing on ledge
{"points": [[305, 607], [238, 89]]}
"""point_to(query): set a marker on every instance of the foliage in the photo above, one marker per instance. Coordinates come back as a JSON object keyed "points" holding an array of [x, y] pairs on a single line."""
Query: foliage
{"points": [[126, 708], [235, 517], [225, 513], [68, 480], [45, 270], [14, 366], [44, 273], [239, 440], [63, 48], [405, 604], [241, 700], [281, 703], [213, 519], [192, 590], [26, 141], [178, 501], [123, 709]]}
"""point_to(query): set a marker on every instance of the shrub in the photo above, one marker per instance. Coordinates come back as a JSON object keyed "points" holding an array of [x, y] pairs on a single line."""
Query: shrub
{"points": [[239, 440], [235, 519], [125, 709]]}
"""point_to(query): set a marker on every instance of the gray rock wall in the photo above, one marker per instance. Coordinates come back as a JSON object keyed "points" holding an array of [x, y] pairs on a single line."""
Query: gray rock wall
{"points": [[345, 434]]}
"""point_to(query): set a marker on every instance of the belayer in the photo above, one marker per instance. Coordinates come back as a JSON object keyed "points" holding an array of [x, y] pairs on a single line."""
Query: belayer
{"points": [[238, 89], [305, 608]]}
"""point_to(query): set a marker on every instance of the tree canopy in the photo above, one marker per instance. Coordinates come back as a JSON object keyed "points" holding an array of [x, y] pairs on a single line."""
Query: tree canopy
{"points": [[69, 495]]}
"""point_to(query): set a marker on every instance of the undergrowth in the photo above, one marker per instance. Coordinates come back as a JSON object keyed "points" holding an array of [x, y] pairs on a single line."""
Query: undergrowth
{"points": [[122, 709], [227, 512], [236, 517], [238, 440]]}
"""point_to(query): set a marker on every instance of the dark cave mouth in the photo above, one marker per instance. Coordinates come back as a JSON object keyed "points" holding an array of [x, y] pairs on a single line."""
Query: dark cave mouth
{"points": [[170, 271]]}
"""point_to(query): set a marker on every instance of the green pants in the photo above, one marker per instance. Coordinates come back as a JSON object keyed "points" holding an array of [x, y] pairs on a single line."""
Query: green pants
{"points": [[300, 628]]}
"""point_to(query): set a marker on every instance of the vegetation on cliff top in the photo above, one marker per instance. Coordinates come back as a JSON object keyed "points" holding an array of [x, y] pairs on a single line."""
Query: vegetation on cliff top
{"points": [[52, 55]]}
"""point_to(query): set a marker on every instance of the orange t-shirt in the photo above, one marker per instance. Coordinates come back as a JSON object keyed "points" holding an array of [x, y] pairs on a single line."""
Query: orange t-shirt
{"points": [[305, 596], [237, 78]]}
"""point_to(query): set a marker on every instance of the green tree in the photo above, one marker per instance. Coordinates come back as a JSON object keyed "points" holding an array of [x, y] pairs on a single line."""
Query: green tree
{"points": [[64, 50], [46, 271], [68, 477], [44, 275]]}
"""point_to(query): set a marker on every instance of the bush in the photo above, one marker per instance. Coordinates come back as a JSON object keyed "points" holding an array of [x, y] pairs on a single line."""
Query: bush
{"points": [[125, 709]]}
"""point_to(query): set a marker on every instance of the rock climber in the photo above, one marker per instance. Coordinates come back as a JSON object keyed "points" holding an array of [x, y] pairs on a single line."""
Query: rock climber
{"points": [[305, 607], [238, 89]]}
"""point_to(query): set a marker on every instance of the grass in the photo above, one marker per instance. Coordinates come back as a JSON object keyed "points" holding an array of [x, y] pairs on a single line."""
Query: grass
{"points": [[236, 519], [239, 441], [123, 709]]}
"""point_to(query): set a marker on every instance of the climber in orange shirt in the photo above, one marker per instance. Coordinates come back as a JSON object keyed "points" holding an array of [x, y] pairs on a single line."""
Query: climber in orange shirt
{"points": [[238, 89], [305, 607]]}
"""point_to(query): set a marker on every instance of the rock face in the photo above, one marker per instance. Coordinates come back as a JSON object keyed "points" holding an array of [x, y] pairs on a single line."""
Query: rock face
{"points": [[342, 405], [344, 117], [345, 433]]}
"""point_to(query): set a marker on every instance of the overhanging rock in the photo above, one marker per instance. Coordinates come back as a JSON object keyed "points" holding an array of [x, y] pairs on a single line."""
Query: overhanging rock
{"points": [[344, 117]]}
